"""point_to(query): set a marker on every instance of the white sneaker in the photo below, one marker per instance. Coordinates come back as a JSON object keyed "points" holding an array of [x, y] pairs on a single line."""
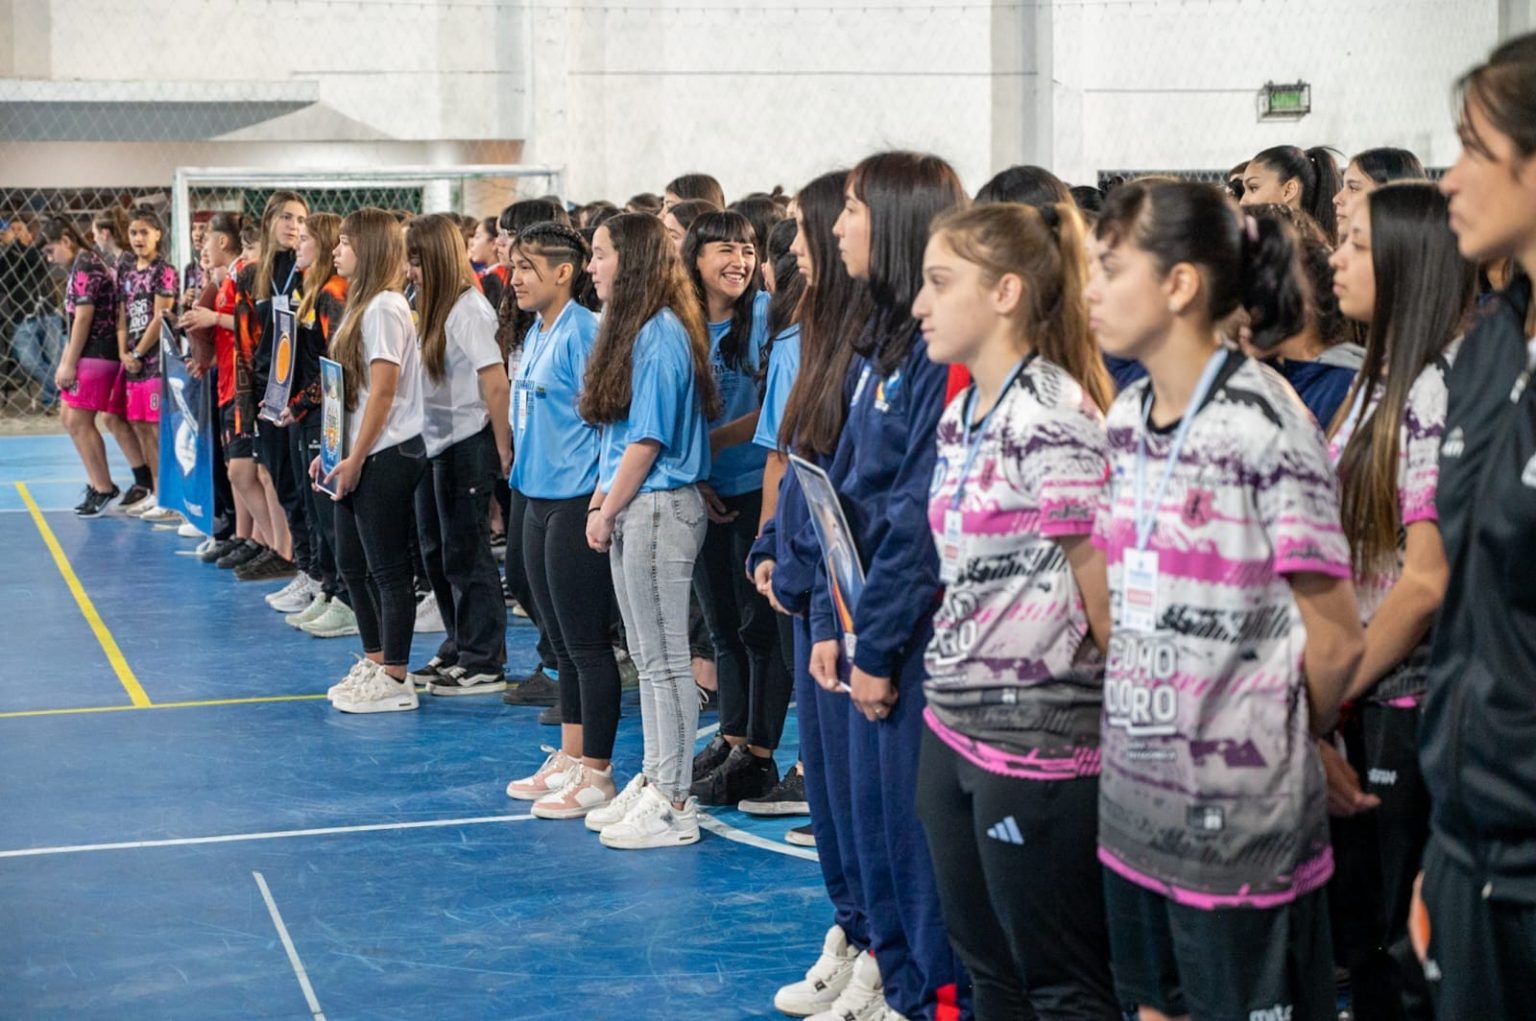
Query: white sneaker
{"points": [[377, 692], [619, 807], [428, 617], [139, 506], [343, 688], [311, 612], [653, 822], [337, 621], [294, 583], [826, 980], [300, 593], [863, 998], [206, 545], [158, 515], [189, 531], [585, 790], [550, 777]]}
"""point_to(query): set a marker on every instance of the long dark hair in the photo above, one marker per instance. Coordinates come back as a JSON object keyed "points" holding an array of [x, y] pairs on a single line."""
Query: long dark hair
{"points": [[1318, 172], [1386, 164], [512, 323], [650, 278], [1244, 261], [834, 310], [1314, 251], [732, 228], [1424, 289], [788, 283], [904, 192], [436, 243], [1504, 90]]}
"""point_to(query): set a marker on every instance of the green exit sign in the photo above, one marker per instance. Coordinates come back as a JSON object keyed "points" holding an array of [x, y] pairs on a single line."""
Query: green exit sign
{"points": [[1284, 101]]}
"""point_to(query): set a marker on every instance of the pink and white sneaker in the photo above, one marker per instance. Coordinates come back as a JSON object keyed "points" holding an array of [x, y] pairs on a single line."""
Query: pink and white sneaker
{"points": [[549, 777], [586, 790]]}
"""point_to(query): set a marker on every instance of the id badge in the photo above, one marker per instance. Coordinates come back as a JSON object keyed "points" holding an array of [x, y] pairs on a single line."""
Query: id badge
{"points": [[1138, 608], [280, 303], [522, 410], [952, 547]]}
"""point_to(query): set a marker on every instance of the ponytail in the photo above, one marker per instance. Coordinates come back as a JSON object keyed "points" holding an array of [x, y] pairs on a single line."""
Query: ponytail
{"points": [[1317, 171], [57, 228], [1273, 294]]}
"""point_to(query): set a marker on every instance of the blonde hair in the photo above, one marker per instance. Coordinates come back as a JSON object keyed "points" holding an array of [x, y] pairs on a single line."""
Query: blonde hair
{"points": [[378, 242], [1043, 246], [325, 228], [437, 243]]}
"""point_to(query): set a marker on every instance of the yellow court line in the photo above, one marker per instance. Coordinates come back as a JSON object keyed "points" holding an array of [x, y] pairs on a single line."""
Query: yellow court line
{"points": [[109, 645], [160, 705]]}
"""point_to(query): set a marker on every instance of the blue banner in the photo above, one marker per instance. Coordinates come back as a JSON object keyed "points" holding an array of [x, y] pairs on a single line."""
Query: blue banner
{"points": [[186, 435]]}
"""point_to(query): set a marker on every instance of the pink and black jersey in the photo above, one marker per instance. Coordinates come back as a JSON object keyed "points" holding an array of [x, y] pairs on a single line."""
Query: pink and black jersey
{"points": [[1015, 684], [1211, 791], [91, 283], [137, 288], [1418, 476]]}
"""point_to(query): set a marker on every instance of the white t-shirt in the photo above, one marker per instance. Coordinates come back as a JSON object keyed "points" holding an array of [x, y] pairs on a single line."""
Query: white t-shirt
{"points": [[452, 407], [389, 335]]}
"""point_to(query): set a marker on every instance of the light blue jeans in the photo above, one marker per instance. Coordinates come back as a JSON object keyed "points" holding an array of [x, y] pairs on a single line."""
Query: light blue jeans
{"points": [[36, 345], [656, 540]]}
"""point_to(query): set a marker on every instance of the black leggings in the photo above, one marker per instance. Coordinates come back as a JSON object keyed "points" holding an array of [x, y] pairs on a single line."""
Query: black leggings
{"points": [[755, 682], [572, 587], [373, 533], [1020, 885], [274, 451], [304, 447], [452, 506]]}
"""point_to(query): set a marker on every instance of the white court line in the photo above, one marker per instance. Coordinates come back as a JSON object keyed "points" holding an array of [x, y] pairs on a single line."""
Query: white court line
{"points": [[293, 954], [230, 838], [729, 832]]}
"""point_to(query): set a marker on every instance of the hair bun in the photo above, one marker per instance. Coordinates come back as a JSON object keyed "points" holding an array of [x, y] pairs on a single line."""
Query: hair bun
{"points": [[1051, 217]]}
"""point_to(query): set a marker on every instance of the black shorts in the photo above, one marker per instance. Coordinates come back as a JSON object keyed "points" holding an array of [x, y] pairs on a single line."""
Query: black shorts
{"points": [[1251, 964], [235, 444]]}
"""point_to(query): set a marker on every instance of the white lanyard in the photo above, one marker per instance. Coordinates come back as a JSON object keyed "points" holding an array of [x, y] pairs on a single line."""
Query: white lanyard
{"points": [[1146, 516]]}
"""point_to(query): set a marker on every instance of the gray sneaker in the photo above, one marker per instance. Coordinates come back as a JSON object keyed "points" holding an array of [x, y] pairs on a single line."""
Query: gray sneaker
{"points": [[338, 621]]}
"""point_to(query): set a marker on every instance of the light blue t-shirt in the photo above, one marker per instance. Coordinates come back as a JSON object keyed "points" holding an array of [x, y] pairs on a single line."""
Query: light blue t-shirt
{"points": [[739, 469], [664, 406], [783, 367], [555, 449]]}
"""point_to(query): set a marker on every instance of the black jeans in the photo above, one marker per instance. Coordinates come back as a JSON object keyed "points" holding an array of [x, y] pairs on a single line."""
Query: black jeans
{"points": [[273, 451], [319, 511], [517, 575], [1019, 882], [572, 588], [755, 682], [452, 520], [373, 531]]}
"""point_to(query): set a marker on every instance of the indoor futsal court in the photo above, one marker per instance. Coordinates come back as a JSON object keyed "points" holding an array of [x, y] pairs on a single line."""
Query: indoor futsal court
{"points": [[191, 832]]}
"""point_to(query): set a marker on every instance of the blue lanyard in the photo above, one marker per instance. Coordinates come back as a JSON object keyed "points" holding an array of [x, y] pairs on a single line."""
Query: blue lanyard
{"points": [[979, 429], [289, 282], [543, 340], [1145, 517]]}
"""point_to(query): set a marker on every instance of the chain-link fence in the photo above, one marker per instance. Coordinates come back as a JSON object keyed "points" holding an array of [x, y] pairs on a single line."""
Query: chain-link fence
{"points": [[33, 331]]}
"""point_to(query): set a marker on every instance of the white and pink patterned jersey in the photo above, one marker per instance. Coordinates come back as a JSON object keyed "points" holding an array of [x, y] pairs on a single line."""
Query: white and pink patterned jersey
{"points": [[1211, 792], [1015, 684], [1418, 476]]}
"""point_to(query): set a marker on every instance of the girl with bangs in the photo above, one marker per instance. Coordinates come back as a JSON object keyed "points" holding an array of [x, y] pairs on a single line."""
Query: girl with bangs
{"points": [[649, 386], [1008, 782], [322, 302], [385, 459], [467, 435], [1235, 629], [146, 288], [555, 469], [845, 978], [1399, 273], [720, 255], [882, 469]]}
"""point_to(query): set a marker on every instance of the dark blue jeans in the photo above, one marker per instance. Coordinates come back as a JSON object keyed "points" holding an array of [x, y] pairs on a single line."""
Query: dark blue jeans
{"points": [[453, 505]]}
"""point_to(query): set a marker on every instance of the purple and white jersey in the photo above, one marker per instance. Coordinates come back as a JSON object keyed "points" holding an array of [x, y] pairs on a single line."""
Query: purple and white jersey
{"points": [[137, 289], [1418, 476], [1014, 683], [1212, 793]]}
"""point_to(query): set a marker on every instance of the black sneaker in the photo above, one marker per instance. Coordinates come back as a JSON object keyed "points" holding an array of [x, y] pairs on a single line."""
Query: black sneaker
{"points": [[266, 566], [245, 550], [740, 777], [96, 504], [433, 671], [536, 689], [801, 836], [550, 717], [84, 499], [455, 680], [709, 760], [220, 549], [137, 494], [788, 798]]}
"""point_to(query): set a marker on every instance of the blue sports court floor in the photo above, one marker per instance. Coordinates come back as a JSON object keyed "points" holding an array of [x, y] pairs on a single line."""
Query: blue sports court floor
{"points": [[189, 831]]}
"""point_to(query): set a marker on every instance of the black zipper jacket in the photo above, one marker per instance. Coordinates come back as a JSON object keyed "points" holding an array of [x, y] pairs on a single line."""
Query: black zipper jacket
{"points": [[1478, 739]]}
